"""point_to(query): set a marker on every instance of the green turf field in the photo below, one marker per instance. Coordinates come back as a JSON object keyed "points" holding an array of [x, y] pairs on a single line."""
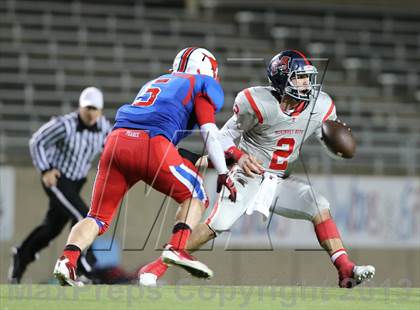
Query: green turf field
{"points": [[40, 297]]}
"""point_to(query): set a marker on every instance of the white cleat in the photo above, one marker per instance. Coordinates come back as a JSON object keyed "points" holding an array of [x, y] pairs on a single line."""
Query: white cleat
{"points": [[65, 273], [363, 273], [148, 279], [186, 261]]}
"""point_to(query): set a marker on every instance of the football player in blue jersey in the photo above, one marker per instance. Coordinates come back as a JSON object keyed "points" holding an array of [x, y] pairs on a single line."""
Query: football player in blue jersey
{"points": [[142, 146]]}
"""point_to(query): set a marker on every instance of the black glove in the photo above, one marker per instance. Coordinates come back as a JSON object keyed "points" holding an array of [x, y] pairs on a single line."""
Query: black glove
{"points": [[226, 180]]}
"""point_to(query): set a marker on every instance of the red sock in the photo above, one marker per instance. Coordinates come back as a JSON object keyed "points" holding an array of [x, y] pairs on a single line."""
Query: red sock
{"points": [[72, 252], [328, 230], [341, 261], [180, 235]]}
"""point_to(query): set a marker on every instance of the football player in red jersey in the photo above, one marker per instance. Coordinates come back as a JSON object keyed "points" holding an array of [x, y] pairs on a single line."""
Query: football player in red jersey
{"points": [[271, 123]]}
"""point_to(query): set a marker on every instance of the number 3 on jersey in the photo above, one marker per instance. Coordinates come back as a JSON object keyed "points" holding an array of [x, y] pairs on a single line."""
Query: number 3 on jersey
{"points": [[287, 145], [148, 95]]}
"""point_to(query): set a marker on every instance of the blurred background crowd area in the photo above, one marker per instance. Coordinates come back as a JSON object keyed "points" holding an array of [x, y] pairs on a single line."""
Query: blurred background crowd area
{"points": [[51, 50]]}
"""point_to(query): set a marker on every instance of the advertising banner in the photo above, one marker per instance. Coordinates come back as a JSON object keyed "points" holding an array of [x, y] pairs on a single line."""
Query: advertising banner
{"points": [[374, 212]]}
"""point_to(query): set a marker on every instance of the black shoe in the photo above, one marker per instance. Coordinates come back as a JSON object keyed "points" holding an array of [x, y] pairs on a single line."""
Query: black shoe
{"points": [[17, 267]]}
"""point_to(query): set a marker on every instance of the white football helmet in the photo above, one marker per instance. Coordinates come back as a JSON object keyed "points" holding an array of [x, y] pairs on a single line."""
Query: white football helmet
{"points": [[196, 60]]}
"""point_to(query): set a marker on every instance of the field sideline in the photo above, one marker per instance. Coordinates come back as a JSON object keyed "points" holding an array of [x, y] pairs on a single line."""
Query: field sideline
{"points": [[205, 297]]}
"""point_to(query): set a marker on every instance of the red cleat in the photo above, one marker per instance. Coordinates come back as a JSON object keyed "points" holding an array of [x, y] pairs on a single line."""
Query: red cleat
{"points": [[65, 272], [186, 261]]}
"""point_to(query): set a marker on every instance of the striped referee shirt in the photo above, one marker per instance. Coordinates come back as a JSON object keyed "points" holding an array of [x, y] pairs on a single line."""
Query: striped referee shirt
{"points": [[66, 144]]}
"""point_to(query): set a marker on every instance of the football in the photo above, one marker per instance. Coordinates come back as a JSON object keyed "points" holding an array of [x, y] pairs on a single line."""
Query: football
{"points": [[338, 138]]}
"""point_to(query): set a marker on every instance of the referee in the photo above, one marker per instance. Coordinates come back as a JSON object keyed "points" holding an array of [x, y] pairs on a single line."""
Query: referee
{"points": [[63, 150]]}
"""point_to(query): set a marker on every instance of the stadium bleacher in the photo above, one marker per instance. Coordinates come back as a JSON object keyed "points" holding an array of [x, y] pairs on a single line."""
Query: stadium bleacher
{"points": [[51, 50]]}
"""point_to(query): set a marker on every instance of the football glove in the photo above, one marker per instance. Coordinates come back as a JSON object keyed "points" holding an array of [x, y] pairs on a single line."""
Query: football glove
{"points": [[226, 180]]}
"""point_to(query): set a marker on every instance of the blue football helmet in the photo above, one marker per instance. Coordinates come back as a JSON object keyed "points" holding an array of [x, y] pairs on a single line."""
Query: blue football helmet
{"points": [[289, 65]]}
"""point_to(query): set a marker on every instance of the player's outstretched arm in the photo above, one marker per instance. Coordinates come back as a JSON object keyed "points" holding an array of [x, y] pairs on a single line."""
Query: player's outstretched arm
{"points": [[204, 112], [248, 163], [228, 134]]}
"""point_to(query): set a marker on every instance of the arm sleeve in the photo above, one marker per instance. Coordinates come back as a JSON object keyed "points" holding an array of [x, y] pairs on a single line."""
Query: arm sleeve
{"points": [[204, 110], [330, 114], [48, 135], [211, 136]]}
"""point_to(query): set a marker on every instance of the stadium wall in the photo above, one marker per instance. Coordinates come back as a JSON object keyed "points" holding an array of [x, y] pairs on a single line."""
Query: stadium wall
{"points": [[283, 265]]}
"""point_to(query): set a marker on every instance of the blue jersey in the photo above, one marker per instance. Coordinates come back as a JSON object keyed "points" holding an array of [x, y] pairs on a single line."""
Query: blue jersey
{"points": [[165, 106]]}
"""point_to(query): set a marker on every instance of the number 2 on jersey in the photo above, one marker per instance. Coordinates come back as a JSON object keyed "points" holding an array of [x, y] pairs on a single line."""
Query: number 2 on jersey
{"points": [[153, 94], [283, 153]]}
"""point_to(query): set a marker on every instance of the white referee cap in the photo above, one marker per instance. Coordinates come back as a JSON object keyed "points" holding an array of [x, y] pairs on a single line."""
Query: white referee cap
{"points": [[91, 97]]}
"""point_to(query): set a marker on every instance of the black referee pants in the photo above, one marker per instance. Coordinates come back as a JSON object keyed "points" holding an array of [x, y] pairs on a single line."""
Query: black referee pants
{"points": [[65, 205]]}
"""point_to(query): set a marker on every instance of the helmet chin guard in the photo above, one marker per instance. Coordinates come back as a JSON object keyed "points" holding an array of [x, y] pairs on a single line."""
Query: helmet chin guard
{"points": [[196, 60]]}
